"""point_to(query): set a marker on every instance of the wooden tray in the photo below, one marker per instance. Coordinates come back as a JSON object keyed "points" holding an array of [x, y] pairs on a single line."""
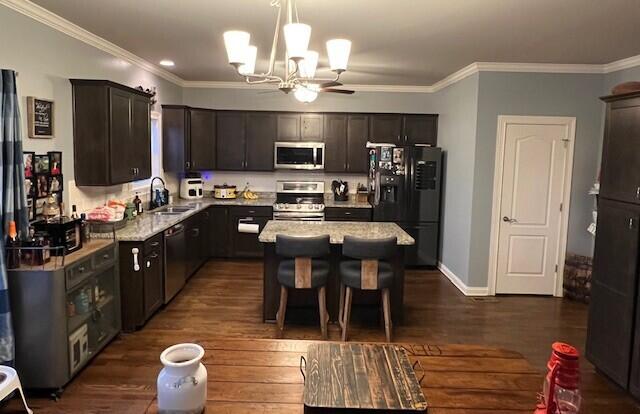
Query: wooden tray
{"points": [[369, 378]]}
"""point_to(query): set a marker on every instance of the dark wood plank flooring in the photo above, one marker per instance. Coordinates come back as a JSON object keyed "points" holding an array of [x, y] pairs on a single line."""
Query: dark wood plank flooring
{"points": [[223, 300]]}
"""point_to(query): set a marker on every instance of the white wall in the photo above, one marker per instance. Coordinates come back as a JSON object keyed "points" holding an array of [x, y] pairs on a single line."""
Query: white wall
{"points": [[45, 60]]}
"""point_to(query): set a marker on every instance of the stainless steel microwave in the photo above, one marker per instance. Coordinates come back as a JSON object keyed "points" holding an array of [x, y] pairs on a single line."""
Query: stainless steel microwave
{"points": [[299, 155]]}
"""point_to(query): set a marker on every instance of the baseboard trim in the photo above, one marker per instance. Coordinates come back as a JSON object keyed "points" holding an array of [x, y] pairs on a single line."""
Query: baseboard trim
{"points": [[458, 283]]}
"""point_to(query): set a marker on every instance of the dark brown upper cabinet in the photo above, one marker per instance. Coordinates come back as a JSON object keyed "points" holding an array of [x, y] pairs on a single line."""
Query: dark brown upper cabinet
{"points": [[288, 127], [312, 126], [619, 179], [420, 129], [335, 141], [357, 136], [261, 134], [188, 138], [111, 133], [385, 128], [231, 140]]}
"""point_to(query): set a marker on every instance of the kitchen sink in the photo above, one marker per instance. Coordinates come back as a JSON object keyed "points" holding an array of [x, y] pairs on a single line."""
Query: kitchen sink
{"points": [[173, 210], [168, 213]]}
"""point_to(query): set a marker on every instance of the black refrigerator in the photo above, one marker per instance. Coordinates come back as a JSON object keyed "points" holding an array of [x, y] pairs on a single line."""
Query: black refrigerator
{"points": [[405, 188]]}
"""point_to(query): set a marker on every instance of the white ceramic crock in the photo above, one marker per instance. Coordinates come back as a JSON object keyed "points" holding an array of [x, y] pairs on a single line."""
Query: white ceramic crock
{"points": [[182, 383]]}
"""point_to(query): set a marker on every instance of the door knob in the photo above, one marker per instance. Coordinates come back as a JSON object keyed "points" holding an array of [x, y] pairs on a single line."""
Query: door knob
{"points": [[508, 220]]}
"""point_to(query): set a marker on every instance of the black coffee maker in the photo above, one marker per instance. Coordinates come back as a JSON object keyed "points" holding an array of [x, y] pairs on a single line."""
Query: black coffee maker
{"points": [[340, 190]]}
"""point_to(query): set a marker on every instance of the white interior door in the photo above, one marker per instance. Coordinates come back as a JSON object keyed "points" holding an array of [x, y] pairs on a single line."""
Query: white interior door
{"points": [[534, 171]]}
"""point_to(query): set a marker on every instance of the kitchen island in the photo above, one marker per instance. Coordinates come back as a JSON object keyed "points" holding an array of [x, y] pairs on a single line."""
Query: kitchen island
{"points": [[302, 303]]}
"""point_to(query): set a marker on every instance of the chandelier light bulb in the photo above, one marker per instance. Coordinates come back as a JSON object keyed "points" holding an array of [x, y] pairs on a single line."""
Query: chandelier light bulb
{"points": [[338, 51], [309, 64], [296, 37], [249, 66], [236, 42], [306, 94]]}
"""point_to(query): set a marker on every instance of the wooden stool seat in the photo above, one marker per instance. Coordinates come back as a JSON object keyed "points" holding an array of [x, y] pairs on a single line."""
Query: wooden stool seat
{"points": [[369, 272], [302, 269]]}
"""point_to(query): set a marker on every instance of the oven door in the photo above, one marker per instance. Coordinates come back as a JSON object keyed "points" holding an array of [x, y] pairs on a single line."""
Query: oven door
{"points": [[299, 155], [294, 216]]}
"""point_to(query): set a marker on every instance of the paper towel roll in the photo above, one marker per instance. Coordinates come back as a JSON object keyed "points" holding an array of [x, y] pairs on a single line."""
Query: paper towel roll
{"points": [[248, 228]]}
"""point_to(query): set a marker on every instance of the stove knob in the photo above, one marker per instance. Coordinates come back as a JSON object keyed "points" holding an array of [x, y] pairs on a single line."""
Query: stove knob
{"points": [[299, 206], [316, 207]]}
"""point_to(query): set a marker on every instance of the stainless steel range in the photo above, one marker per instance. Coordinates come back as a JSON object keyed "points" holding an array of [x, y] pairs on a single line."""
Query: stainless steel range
{"points": [[299, 200]]}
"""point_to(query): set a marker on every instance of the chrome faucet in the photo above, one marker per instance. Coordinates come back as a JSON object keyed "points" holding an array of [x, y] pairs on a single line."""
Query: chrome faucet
{"points": [[153, 203]]}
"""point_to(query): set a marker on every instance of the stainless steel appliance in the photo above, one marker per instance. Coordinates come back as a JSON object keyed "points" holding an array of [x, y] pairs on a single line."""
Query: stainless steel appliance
{"points": [[299, 155], [299, 201], [191, 188], [175, 261], [405, 187]]}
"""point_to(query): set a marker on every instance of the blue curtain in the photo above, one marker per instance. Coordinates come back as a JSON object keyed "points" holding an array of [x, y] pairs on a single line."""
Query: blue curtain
{"points": [[13, 200]]}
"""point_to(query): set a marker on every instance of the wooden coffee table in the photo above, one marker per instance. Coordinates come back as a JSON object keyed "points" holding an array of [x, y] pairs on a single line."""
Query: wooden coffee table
{"points": [[367, 378]]}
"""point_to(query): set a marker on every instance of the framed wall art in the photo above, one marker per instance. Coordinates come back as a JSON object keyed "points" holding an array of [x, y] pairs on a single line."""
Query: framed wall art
{"points": [[40, 117]]}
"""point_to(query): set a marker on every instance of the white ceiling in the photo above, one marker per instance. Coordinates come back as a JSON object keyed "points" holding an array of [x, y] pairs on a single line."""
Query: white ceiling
{"points": [[395, 42]]}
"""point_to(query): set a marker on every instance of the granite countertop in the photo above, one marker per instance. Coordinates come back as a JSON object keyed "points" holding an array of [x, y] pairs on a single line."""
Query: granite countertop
{"points": [[351, 203], [335, 229], [149, 224]]}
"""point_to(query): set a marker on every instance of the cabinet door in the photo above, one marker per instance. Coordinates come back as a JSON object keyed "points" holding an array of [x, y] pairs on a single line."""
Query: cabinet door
{"points": [[357, 136], [174, 139], [131, 286], [202, 139], [193, 234], [121, 151], [288, 127], [335, 139], [219, 232], [634, 379], [420, 129], [385, 128], [621, 151], [613, 289], [141, 137], [261, 134], [246, 245], [230, 141], [153, 277], [311, 127]]}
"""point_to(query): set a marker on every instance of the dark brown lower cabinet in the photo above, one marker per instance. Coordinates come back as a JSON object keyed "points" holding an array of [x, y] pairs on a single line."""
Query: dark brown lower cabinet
{"points": [[610, 333], [634, 377], [347, 214], [153, 270], [141, 288], [218, 231], [194, 236], [246, 245]]}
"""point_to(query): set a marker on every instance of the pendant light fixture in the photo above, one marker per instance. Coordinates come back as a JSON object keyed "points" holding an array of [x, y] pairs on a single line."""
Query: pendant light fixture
{"points": [[300, 62]]}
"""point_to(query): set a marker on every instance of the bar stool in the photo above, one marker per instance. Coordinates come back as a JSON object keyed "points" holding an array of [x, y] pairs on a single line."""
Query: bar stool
{"points": [[303, 269], [368, 272]]}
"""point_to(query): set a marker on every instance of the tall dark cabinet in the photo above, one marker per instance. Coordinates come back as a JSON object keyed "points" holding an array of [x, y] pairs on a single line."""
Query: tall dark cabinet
{"points": [[613, 338], [111, 133], [188, 138]]}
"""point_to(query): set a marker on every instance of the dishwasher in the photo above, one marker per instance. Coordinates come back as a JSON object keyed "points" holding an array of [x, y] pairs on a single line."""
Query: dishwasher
{"points": [[175, 261]]}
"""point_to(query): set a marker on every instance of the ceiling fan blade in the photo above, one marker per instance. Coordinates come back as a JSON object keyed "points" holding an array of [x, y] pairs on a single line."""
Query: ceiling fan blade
{"points": [[329, 84], [344, 91]]}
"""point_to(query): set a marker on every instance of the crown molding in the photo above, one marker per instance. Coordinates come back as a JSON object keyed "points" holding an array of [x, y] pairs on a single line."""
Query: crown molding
{"points": [[621, 64], [63, 25]]}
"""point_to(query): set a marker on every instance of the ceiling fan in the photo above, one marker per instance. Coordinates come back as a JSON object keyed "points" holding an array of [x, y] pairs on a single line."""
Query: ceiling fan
{"points": [[300, 63]]}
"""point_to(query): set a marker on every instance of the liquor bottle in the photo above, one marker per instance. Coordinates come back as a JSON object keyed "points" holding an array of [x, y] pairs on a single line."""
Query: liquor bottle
{"points": [[74, 213], [13, 251], [138, 204]]}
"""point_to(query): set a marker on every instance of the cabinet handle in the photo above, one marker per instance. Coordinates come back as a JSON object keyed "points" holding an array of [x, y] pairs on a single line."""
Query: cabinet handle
{"points": [[148, 264], [638, 193], [106, 256], [154, 256], [631, 223], [347, 213], [81, 269], [188, 164], [155, 244]]}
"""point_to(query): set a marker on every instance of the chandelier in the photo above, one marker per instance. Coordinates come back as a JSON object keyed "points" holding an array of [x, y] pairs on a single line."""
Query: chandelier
{"points": [[300, 62]]}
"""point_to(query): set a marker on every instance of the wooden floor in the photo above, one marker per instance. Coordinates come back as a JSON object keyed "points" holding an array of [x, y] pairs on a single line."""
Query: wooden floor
{"points": [[224, 300]]}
